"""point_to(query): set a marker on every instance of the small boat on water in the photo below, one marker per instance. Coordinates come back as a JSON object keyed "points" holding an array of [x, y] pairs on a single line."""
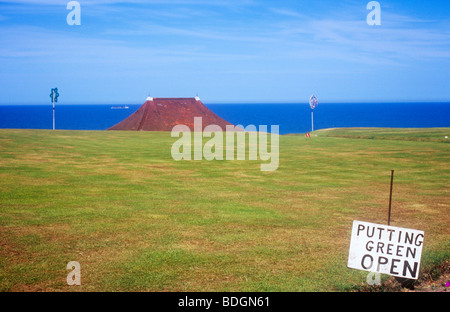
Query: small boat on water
{"points": [[120, 107]]}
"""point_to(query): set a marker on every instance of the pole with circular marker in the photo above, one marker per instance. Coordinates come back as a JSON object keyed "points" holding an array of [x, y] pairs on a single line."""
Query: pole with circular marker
{"points": [[54, 96], [313, 103]]}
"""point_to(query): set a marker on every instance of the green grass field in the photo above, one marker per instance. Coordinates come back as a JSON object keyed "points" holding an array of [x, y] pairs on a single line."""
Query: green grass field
{"points": [[136, 220]]}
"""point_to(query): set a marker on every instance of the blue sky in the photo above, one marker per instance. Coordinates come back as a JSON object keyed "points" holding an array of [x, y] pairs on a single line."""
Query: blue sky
{"points": [[224, 50]]}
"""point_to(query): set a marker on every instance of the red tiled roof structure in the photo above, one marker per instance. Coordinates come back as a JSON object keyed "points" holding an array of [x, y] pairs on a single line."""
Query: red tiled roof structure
{"points": [[162, 114]]}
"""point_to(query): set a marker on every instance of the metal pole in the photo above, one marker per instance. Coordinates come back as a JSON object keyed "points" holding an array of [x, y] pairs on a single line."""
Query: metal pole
{"points": [[53, 101], [312, 121], [390, 197]]}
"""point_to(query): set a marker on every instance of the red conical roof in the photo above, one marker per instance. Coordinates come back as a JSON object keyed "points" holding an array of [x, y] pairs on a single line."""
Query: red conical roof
{"points": [[162, 114]]}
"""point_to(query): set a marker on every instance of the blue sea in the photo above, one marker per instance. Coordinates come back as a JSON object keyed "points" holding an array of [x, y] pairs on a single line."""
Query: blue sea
{"points": [[291, 118]]}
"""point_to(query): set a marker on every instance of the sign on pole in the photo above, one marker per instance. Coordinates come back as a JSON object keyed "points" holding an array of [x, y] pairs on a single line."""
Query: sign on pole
{"points": [[385, 249], [313, 103], [54, 96]]}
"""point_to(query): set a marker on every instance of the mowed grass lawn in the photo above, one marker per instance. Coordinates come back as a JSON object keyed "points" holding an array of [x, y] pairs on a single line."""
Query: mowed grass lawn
{"points": [[137, 220]]}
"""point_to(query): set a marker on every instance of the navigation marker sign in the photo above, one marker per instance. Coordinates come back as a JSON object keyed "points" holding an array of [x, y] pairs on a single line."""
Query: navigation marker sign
{"points": [[385, 249], [313, 103], [54, 96]]}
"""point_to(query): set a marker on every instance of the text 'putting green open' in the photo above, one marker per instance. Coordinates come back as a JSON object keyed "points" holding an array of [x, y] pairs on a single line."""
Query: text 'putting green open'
{"points": [[385, 249]]}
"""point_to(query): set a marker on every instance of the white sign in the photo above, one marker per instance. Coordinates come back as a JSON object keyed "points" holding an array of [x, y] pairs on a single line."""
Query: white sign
{"points": [[385, 249]]}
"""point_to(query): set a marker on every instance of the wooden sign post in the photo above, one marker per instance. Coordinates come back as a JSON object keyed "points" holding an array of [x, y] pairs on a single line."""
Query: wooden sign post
{"points": [[386, 249]]}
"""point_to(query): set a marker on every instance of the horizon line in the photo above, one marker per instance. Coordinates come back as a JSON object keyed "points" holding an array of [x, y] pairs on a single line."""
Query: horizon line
{"points": [[244, 102]]}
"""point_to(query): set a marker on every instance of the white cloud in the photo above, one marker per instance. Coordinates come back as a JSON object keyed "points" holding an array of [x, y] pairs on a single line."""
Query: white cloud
{"points": [[397, 40]]}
